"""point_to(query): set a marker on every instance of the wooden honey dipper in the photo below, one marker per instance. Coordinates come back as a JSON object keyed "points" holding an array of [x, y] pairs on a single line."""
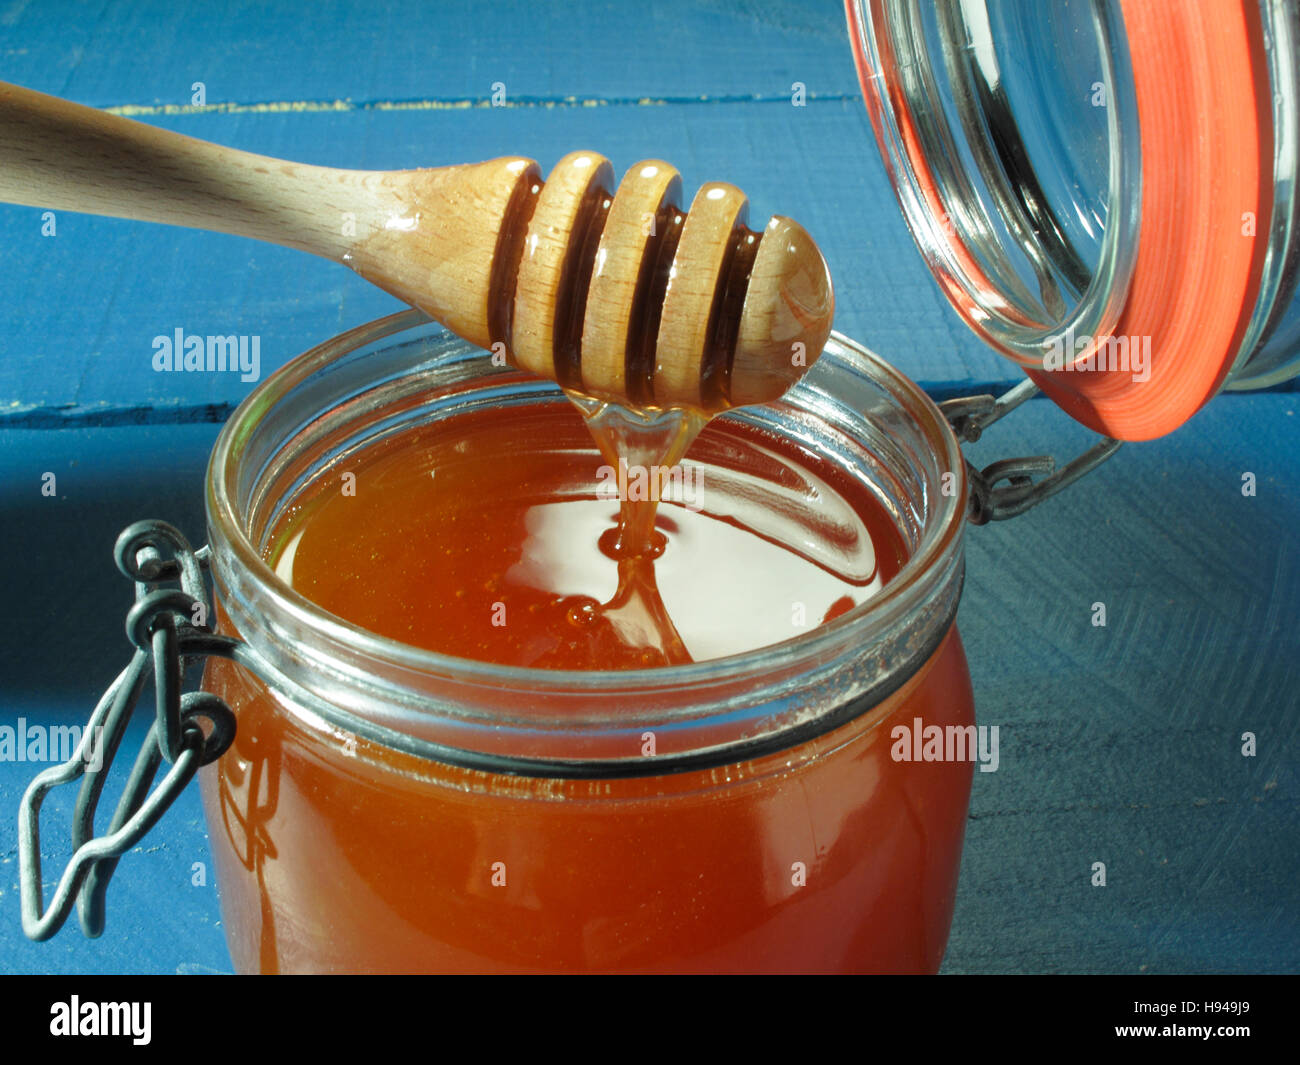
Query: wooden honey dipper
{"points": [[622, 296]]}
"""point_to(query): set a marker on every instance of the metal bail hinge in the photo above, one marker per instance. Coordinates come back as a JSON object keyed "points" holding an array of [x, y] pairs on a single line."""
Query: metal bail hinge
{"points": [[170, 627], [1009, 487]]}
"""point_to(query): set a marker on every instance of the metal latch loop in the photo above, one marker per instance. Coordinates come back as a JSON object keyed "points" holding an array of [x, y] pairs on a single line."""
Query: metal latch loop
{"points": [[169, 628], [1009, 487]]}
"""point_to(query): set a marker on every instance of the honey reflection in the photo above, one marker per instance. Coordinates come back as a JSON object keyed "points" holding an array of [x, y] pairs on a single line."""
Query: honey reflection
{"points": [[248, 792]]}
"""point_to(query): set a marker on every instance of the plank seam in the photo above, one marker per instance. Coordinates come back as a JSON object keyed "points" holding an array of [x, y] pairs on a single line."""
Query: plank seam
{"points": [[461, 103], [107, 416]]}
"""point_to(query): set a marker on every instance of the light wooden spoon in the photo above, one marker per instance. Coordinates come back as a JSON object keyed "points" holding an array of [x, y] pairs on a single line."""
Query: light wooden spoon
{"points": [[621, 296]]}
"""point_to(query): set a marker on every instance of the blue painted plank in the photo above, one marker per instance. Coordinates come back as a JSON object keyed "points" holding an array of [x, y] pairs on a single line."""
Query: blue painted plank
{"points": [[1122, 744], [84, 305], [153, 51], [163, 914]]}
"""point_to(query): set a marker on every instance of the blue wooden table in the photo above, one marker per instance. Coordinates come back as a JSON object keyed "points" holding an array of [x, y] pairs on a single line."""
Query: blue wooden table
{"points": [[1119, 744]]}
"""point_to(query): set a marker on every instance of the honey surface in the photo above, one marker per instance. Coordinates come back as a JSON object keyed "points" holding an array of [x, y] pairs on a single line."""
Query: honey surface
{"points": [[496, 538]]}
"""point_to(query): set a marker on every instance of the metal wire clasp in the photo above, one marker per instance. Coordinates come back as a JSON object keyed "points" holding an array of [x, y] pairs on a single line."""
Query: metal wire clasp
{"points": [[170, 629], [1029, 480]]}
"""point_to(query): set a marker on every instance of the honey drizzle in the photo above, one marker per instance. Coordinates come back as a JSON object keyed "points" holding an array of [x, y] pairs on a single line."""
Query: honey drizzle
{"points": [[648, 439]]}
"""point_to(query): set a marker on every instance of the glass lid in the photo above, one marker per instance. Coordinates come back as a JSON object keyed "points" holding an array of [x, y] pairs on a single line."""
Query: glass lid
{"points": [[1102, 188]]}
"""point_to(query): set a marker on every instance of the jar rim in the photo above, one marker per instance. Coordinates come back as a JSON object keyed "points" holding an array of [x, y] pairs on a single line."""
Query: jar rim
{"points": [[940, 538]]}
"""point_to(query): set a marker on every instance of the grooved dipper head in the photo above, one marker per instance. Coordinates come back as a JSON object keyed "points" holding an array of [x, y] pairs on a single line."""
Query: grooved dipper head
{"points": [[624, 296]]}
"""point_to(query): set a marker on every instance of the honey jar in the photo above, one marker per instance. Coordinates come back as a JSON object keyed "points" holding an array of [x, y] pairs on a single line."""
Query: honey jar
{"points": [[389, 808]]}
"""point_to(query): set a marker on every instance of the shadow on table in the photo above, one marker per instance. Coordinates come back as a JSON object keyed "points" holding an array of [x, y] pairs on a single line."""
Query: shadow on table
{"points": [[63, 612]]}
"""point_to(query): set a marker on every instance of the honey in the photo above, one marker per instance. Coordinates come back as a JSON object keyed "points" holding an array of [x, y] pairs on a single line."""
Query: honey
{"points": [[336, 856], [488, 540]]}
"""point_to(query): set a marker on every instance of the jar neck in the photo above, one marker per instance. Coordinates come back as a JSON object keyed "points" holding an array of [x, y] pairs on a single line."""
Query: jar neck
{"points": [[359, 388]]}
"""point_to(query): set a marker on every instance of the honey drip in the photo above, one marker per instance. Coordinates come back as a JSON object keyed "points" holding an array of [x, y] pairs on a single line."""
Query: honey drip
{"points": [[645, 440]]}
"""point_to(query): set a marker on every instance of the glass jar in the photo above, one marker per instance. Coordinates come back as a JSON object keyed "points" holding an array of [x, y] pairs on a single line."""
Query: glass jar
{"points": [[1105, 190], [387, 808]]}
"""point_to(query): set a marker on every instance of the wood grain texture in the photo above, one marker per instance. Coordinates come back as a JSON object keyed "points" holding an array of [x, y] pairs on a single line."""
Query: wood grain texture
{"points": [[717, 211], [405, 50], [577, 181], [485, 248], [1123, 743], [60, 155], [438, 249], [787, 317], [637, 221], [429, 236]]}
